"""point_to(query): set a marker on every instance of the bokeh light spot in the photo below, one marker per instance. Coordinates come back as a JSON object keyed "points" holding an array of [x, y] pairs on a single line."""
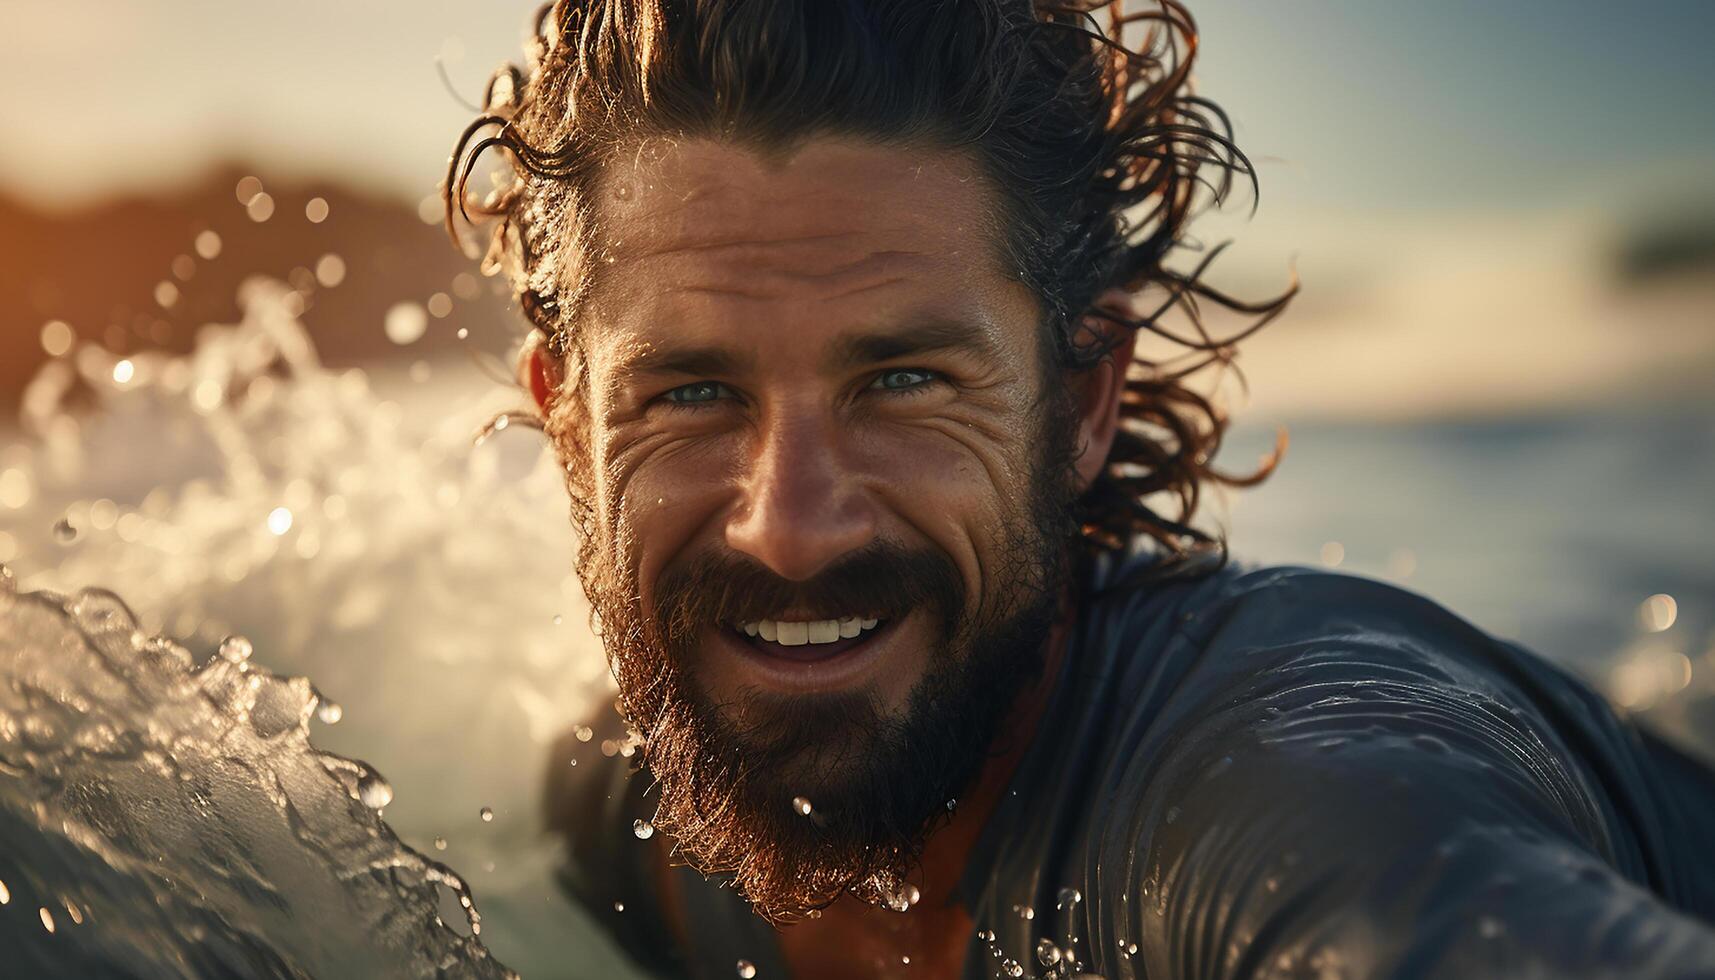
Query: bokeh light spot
{"points": [[406, 323], [57, 337]]}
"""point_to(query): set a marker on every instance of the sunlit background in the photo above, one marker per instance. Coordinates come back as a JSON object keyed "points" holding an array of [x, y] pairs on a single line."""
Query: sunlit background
{"points": [[1499, 380]]}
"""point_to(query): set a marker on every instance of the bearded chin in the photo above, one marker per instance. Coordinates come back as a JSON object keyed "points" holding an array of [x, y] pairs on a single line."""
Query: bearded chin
{"points": [[735, 780]]}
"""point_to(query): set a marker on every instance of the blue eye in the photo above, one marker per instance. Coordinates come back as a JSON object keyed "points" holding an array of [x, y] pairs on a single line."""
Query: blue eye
{"points": [[697, 393], [903, 379]]}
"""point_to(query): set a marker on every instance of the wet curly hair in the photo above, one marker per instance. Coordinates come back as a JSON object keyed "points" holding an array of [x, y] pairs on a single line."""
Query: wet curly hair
{"points": [[1081, 112]]}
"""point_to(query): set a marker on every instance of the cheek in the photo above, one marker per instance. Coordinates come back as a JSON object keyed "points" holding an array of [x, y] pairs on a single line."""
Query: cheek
{"points": [[657, 499], [959, 484]]}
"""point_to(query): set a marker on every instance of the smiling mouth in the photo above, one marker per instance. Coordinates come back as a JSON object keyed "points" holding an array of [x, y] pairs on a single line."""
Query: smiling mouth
{"points": [[809, 641]]}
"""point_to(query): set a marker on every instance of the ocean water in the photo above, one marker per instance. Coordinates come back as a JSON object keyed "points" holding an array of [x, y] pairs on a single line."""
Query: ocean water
{"points": [[347, 525]]}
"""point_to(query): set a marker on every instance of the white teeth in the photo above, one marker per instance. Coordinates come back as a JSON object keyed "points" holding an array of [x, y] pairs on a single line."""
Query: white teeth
{"points": [[794, 634]]}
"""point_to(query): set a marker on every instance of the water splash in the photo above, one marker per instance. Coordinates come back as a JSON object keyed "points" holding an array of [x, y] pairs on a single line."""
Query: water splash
{"points": [[343, 521], [181, 810]]}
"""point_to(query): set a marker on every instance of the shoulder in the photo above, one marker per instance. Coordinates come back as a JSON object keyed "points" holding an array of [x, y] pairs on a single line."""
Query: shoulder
{"points": [[1344, 693]]}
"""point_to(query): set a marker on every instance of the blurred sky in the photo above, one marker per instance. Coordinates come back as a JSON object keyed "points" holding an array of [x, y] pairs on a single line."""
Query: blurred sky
{"points": [[1402, 145]]}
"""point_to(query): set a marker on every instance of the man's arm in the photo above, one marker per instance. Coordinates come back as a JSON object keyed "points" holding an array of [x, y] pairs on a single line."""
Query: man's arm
{"points": [[1396, 795]]}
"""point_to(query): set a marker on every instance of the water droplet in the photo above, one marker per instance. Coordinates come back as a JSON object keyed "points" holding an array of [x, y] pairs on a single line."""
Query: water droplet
{"points": [[463, 333], [952, 805], [64, 533], [906, 960], [329, 711], [623, 192], [236, 649], [1172, 814], [1131, 949], [801, 806], [1047, 953], [584, 733], [1024, 912], [1012, 968], [1069, 897], [558, 619], [487, 814], [440, 843], [374, 791], [746, 969], [47, 919], [5, 894], [619, 906], [643, 829]]}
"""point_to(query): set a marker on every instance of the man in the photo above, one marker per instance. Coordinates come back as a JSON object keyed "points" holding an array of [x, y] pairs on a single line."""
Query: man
{"points": [[836, 305]]}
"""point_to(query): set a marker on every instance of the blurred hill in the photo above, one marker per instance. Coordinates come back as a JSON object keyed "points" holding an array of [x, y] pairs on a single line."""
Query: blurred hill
{"points": [[101, 270]]}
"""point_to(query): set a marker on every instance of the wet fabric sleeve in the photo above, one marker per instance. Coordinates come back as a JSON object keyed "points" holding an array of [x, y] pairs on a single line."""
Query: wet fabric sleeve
{"points": [[1383, 791]]}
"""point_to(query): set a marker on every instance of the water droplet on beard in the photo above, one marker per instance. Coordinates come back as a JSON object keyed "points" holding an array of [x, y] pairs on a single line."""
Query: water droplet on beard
{"points": [[911, 894], [236, 649], [643, 829], [746, 969], [952, 805], [1069, 897], [329, 712], [1012, 968], [487, 814], [64, 533], [623, 192], [1024, 911], [801, 806], [1047, 953], [374, 791], [440, 843]]}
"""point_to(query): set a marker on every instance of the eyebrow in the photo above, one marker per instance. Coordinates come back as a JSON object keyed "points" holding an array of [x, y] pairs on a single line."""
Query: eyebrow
{"points": [[926, 336], [700, 361], [852, 350]]}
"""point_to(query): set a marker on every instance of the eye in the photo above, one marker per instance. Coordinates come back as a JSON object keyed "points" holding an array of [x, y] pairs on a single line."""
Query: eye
{"points": [[698, 393], [903, 379]]}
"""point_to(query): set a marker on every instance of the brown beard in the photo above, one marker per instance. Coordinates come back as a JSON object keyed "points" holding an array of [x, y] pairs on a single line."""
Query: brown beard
{"points": [[728, 775]]}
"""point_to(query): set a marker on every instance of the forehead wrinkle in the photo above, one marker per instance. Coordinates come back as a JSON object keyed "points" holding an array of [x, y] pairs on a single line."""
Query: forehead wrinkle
{"points": [[746, 280]]}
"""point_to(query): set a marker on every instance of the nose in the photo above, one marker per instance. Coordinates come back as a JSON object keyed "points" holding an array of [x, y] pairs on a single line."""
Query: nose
{"points": [[802, 508]]}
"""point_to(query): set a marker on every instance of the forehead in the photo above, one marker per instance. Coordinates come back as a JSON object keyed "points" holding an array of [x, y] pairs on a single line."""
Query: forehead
{"points": [[709, 236]]}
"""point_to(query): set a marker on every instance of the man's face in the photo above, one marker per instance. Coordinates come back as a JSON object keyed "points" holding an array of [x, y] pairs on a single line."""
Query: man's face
{"points": [[828, 490]]}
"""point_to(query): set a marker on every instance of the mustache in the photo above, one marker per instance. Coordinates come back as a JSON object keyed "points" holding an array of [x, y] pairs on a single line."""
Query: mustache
{"points": [[879, 580]]}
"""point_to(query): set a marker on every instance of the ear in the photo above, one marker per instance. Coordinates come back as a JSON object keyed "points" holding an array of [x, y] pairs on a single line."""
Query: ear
{"points": [[539, 371], [1099, 390]]}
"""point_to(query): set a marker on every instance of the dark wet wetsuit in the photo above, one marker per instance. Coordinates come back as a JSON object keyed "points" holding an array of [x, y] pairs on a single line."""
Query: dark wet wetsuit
{"points": [[1277, 773]]}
